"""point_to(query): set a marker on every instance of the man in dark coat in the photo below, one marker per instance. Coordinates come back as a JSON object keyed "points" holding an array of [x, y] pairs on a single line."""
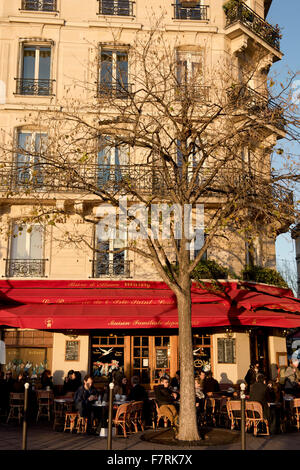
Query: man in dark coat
{"points": [[250, 377], [165, 399], [84, 398], [138, 392], [210, 385], [259, 392]]}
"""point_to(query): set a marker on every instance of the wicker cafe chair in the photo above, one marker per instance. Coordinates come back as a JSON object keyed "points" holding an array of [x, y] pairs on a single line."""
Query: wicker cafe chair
{"points": [[254, 416], [295, 417], [123, 419], [70, 420], [136, 415], [234, 412], [45, 402], [159, 416], [81, 425], [16, 406]]}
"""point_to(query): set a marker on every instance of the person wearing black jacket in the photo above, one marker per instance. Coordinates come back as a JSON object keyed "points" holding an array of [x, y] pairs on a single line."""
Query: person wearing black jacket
{"points": [[71, 382], [165, 399], [253, 371], [84, 398], [259, 392]]}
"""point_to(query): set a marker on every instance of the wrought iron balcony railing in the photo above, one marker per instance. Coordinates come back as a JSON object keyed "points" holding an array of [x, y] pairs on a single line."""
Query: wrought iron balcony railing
{"points": [[193, 92], [112, 269], [115, 90], [30, 177], [116, 7], [239, 12], [39, 5], [25, 267], [199, 12], [258, 104], [30, 86]]}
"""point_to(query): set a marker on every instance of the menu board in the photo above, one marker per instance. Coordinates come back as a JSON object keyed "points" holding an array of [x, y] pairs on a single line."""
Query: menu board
{"points": [[161, 358], [72, 350]]}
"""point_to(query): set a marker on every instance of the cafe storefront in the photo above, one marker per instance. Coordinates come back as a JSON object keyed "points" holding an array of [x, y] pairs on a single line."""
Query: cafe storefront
{"points": [[145, 355], [99, 326]]}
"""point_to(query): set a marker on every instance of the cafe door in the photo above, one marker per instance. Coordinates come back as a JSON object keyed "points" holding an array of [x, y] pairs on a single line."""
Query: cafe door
{"points": [[151, 357], [259, 349]]}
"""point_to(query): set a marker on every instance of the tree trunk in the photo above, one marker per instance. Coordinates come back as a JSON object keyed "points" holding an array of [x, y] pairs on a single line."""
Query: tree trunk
{"points": [[188, 430]]}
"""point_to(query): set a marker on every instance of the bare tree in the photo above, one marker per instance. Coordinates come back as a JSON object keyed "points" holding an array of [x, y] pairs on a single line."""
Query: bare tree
{"points": [[198, 139]]}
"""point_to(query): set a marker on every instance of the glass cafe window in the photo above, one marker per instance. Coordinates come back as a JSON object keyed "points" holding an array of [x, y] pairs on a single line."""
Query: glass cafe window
{"points": [[107, 354]]}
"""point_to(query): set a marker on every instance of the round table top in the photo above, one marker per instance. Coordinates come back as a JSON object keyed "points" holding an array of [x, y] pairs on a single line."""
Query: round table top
{"points": [[107, 403], [64, 400]]}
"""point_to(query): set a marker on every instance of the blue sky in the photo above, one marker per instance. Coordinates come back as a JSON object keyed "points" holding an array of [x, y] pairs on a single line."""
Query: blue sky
{"points": [[286, 14]]}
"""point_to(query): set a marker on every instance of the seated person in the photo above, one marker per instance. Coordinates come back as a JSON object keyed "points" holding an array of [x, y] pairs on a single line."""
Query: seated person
{"points": [[292, 378], [165, 399], [125, 387], [18, 385], [199, 395], [139, 393], [210, 385], [46, 379], [175, 382], [84, 398], [71, 383], [259, 392]]}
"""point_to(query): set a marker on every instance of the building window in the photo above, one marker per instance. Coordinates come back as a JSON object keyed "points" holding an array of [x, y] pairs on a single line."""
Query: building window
{"points": [[226, 351], [197, 12], [113, 74], [26, 252], [112, 164], [29, 160], [116, 7], [111, 259], [39, 5], [190, 75], [35, 71]]}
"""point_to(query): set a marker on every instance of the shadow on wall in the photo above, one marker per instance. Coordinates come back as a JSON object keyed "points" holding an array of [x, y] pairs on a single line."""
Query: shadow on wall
{"points": [[225, 379], [59, 376]]}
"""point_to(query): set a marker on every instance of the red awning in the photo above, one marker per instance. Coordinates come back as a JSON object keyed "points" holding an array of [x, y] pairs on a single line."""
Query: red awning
{"points": [[134, 304]]}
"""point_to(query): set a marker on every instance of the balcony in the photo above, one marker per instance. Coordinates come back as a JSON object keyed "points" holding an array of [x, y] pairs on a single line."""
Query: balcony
{"points": [[114, 90], [32, 177], [257, 104], [39, 5], [199, 12], [237, 13], [116, 7], [30, 86], [111, 269], [193, 92], [25, 267]]}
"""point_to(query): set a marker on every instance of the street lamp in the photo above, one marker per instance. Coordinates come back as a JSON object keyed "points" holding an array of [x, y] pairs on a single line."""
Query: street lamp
{"points": [[243, 420], [110, 412]]}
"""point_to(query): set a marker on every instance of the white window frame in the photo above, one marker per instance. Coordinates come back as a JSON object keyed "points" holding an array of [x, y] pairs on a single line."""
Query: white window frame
{"points": [[15, 225], [37, 45]]}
